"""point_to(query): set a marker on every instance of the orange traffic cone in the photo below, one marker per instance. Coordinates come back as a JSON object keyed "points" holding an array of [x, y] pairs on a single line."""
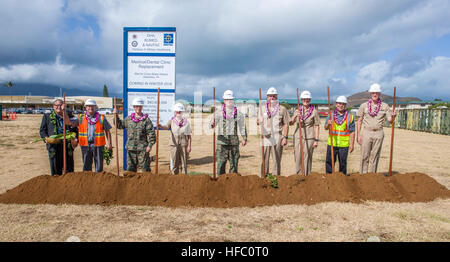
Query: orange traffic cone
{"points": [[14, 116]]}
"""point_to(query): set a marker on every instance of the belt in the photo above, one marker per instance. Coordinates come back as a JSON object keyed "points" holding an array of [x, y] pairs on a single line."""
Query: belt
{"points": [[373, 129]]}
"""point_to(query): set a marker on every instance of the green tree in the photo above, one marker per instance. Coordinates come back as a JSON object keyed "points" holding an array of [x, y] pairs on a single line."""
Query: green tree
{"points": [[439, 104], [9, 85], [105, 91]]}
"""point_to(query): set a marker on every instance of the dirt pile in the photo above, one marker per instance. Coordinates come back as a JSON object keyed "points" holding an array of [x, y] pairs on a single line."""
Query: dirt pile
{"points": [[230, 190]]}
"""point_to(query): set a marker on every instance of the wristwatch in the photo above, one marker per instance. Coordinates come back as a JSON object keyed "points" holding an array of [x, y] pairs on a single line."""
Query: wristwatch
{"points": [[286, 137], [317, 140]]}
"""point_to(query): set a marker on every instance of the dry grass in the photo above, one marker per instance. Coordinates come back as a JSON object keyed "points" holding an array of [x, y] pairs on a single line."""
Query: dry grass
{"points": [[414, 152], [323, 222]]}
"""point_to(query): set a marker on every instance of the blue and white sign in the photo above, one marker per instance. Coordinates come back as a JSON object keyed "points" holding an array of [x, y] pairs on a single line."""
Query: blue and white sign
{"points": [[156, 42], [150, 72], [149, 64]]}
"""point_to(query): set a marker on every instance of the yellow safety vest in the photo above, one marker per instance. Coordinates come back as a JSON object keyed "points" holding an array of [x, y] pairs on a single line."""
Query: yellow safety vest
{"points": [[341, 133]]}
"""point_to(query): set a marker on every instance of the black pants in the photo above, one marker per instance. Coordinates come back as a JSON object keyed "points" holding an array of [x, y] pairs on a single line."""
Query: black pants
{"points": [[92, 154], [55, 156], [342, 153]]}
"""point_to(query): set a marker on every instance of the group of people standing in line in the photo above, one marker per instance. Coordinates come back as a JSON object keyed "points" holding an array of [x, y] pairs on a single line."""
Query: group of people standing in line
{"points": [[93, 134]]}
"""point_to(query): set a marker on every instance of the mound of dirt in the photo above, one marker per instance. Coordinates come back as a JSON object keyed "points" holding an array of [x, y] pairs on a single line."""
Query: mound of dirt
{"points": [[230, 190]]}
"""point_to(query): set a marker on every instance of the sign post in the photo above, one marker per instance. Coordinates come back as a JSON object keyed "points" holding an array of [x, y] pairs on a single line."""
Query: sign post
{"points": [[149, 65]]}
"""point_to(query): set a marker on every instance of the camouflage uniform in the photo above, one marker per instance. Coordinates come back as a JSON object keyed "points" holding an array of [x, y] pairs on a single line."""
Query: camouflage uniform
{"points": [[228, 140], [139, 136]]}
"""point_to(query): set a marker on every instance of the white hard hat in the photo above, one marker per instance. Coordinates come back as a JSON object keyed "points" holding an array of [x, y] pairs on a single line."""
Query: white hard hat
{"points": [[375, 88], [138, 101], [341, 99], [305, 94], [228, 95], [90, 102], [272, 91], [178, 107]]}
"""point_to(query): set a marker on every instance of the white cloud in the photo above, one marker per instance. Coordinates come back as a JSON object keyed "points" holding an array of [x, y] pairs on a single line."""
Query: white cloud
{"points": [[241, 45], [66, 75], [428, 83], [29, 30]]}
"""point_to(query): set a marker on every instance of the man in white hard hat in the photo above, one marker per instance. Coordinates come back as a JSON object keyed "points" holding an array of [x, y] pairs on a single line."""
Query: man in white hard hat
{"points": [[180, 139], [371, 117], [93, 128], [228, 120], [343, 134], [141, 137], [275, 121], [309, 119]]}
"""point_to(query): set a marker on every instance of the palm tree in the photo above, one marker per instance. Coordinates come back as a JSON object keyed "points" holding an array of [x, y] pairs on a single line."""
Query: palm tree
{"points": [[9, 85]]}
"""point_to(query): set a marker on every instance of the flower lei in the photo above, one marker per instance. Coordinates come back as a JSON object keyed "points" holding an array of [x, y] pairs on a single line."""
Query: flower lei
{"points": [[97, 116], [377, 109], [335, 117], [138, 120], [308, 114], [224, 113], [53, 120], [273, 112], [180, 123]]}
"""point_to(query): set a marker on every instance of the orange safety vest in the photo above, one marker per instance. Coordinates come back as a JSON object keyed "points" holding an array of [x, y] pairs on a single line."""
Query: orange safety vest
{"points": [[99, 139]]}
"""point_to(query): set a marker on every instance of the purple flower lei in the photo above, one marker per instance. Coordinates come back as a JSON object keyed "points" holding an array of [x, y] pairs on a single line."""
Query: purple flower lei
{"points": [[138, 120], [335, 117], [181, 123], [224, 112], [271, 113], [310, 109], [97, 116], [377, 109]]}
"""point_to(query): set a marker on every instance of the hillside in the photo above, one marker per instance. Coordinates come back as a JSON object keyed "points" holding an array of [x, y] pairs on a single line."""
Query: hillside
{"points": [[37, 89], [359, 98]]}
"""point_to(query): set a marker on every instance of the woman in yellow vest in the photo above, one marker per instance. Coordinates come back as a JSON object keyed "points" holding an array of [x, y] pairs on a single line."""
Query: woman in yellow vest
{"points": [[343, 132]]}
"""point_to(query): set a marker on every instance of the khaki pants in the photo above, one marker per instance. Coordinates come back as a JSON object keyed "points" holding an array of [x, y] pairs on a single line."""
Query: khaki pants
{"points": [[370, 150], [275, 150], [178, 159], [308, 150]]}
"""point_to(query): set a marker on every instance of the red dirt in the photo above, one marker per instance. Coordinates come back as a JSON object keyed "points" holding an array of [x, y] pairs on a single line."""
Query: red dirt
{"points": [[230, 190]]}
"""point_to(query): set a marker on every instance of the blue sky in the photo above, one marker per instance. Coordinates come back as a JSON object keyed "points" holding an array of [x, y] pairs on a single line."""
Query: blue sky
{"points": [[237, 45]]}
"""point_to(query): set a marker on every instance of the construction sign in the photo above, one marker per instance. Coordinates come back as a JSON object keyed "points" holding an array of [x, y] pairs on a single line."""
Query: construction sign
{"points": [[149, 64]]}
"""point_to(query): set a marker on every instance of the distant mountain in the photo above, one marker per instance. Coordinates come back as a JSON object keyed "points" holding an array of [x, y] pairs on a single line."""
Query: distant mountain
{"points": [[359, 98], [35, 89]]}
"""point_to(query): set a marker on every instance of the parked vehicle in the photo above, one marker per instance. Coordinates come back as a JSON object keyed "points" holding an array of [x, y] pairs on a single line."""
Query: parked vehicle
{"points": [[105, 111]]}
